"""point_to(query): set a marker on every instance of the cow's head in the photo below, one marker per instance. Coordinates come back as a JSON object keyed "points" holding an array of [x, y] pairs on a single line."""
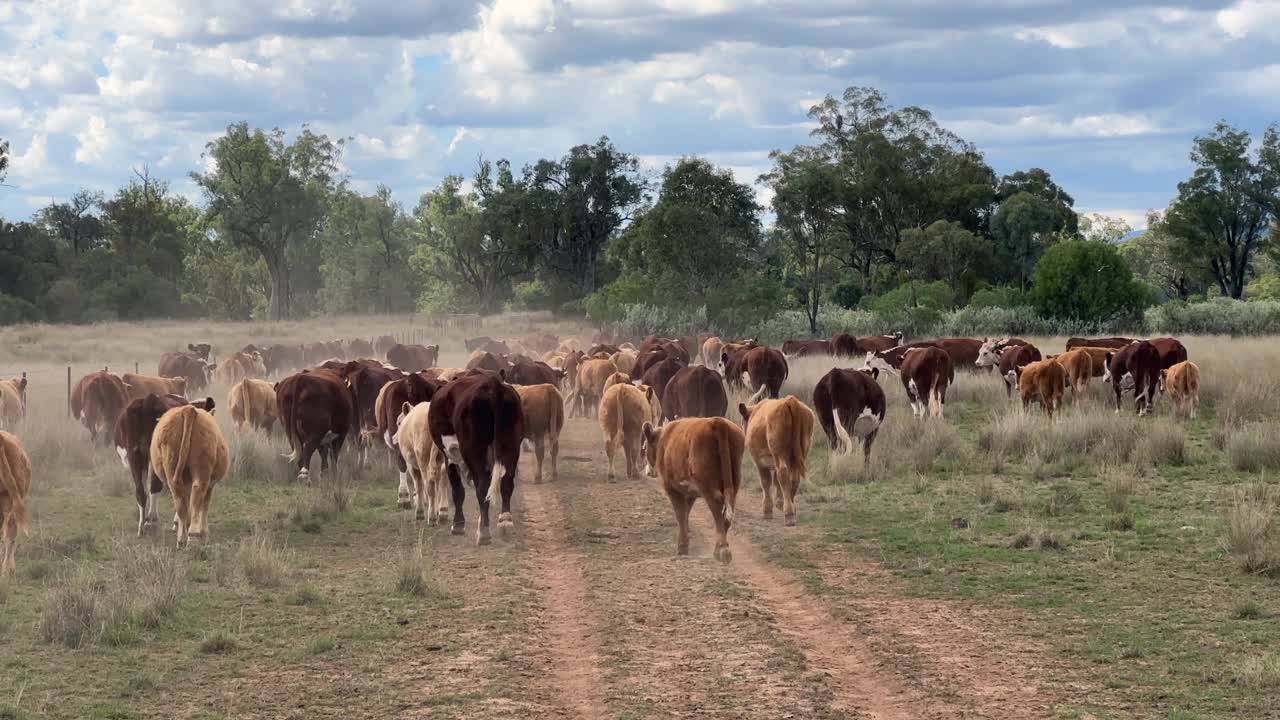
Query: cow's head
{"points": [[1011, 377], [1106, 367], [872, 372], [200, 349], [1164, 378], [988, 353], [180, 386], [206, 405], [724, 362], [877, 361], [898, 336], [649, 437]]}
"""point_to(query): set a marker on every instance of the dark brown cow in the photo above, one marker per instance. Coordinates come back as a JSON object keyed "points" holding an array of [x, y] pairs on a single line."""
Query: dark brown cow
{"points": [[766, 369], [132, 435], [487, 344], [850, 402], [478, 422], [845, 345], [1139, 363], [659, 375], [649, 358], [484, 360], [1009, 357], [1171, 351], [413, 389], [926, 372], [200, 350], [279, 359], [534, 372], [186, 365], [734, 364], [383, 344], [366, 383], [807, 348], [603, 348], [876, 343], [359, 348], [413, 358], [694, 391], [1107, 342], [97, 401], [317, 413]]}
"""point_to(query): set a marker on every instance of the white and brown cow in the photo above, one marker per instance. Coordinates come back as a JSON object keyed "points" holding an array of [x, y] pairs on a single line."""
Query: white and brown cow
{"points": [[926, 373], [850, 402]]}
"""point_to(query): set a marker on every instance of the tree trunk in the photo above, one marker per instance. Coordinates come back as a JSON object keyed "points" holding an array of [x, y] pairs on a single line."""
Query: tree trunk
{"points": [[278, 268]]}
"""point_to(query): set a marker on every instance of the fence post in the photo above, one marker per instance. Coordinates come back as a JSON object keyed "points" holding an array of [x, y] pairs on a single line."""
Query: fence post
{"points": [[135, 367], [68, 391]]}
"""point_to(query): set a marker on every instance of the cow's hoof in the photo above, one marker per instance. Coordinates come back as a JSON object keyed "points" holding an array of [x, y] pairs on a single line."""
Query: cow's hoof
{"points": [[789, 520], [458, 530], [405, 503], [419, 516], [682, 550], [768, 512], [482, 538], [505, 521], [724, 556]]}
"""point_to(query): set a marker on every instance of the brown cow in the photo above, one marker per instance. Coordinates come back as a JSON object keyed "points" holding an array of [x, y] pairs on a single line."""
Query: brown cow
{"points": [[1043, 381], [778, 435], [13, 400], [1182, 382], [140, 386], [252, 402], [359, 348], [1138, 362], [413, 358], [317, 413], [133, 432], [524, 371], [416, 388], [1079, 367], [659, 375], [189, 455], [876, 343], [698, 458], [625, 360], [15, 485], [97, 401], [765, 369], [487, 344], [423, 460], [853, 397], [615, 379], [694, 391], [278, 359], [624, 411], [200, 350], [383, 344], [807, 348], [366, 382], [926, 372], [543, 409], [241, 365], [478, 421], [1013, 357], [186, 365], [1171, 351], [587, 392], [1114, 343], [733, 365]]}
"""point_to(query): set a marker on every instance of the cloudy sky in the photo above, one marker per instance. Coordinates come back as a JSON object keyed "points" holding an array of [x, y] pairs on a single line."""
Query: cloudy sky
{"points": [[1105, 95]]}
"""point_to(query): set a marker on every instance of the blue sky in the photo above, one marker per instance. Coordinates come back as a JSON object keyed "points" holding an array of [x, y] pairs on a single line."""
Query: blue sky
{"points": [[1106, 96]]}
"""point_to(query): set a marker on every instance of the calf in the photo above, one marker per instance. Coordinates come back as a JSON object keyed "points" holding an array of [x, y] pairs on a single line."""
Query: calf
{"points": [[13, 400], [133, 433], [140, 386], [1044, 381], [778, 435], [317, 414], [15, 485], [624, 411], [543, 410], [252, 402], [1182, 382], [697, 458], [709, 351], [853, 397], [97, 401], [189, 455], [422, 460], [1079, 367], [694, 391], [1140, 362], [478, 421], [926, 372], [186, 365], [416, 388], [413, 358]]}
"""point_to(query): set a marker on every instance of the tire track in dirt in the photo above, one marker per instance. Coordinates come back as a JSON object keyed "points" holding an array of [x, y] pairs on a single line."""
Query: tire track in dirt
{"points": [[568, 623]]}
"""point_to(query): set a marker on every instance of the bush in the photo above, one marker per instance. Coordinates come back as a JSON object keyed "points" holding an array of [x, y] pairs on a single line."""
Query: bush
{"points": [[935, 295], [1254, 447], [1088, 281], [1251, 528], [1000, 297], [531, 295], [264, 565], [1219, 316], [614, 301]]}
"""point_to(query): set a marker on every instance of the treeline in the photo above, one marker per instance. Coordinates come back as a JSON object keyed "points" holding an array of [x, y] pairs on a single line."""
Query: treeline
{"points": [[883, 210]]}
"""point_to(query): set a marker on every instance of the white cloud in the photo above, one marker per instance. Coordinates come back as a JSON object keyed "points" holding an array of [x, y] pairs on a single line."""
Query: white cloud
{"points": [[31, 162], [458, 136], [94, 141], [1250, 16]]}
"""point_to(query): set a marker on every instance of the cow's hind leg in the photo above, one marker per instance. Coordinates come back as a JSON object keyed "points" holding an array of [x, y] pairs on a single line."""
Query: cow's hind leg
{"points": [[681, 505], [420, 489], [720, 513], [8, 545], [788, 485], [182, 511], [459, 495], [506, 488], [766, 487], [610, 449], [404, 494], [539, 451], [555, 456]]}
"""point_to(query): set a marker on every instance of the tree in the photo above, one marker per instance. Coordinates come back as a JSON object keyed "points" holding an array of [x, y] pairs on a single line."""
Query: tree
{"points": [[1097, 227], [1038, 183], [1222, 213], [1086, 281], [74, 223], [365, 266], [269, 195], [946, 251], [1023, 227], [1157, 258], [806, 201]]}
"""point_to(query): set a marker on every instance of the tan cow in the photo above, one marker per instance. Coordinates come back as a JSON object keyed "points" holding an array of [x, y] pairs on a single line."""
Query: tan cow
{"points": [[140, 386], [624, 410], [189, 455], [624, 360], [13, 400], [253, 403], [1044, 381], [425, 462], [710, 351], [592, 375], [698, 458], [779, 433], [15, 485], [1182, 382], [1078, 365], [554, 358], [241, 365], [543, 407], [618, 378]]}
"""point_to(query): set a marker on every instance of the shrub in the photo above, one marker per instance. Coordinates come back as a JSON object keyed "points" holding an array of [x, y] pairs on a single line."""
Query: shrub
{"points": [[1004, 297], [82, 609], [1086, 281], [411, 576], [1118, 487], [1219, 316], [217, 643], [935, 296], [1250, 529], [72, 611]]}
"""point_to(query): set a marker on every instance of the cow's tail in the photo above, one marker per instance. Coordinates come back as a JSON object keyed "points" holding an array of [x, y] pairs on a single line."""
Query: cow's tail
{"points": [[730, 473], [841, 433], [797, 443], [9, 484], [184, 443], [499, 469], [935, 395]]}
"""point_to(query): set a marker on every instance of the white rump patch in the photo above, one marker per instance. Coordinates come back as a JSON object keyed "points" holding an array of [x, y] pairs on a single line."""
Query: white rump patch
{"points": [[452, 450], [866, 423]]}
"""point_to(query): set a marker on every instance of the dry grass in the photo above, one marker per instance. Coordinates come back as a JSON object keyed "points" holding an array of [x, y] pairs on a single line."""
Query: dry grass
{"points": [[1254, 447], [264, 564], [1251, 528], [1259, 672]]}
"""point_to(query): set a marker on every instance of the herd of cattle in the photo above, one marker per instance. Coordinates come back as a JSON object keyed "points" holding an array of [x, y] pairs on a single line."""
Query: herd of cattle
{"points": [[660, 400]]}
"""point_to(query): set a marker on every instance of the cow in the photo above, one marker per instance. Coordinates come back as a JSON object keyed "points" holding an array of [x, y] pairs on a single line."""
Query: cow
{"points": [[278, 359], [478, 421], [1043, 381], [1140, 363], [359, 348], [589, 388], [806, 348], [926, 372], [487, 344], [624, 360], [189, 455], [382, 344], [1114, 343], [1182, 383], [413, 358], [1013, 357], [241, 365], [422, 460], [697, 458], [484, 360], [140, 386], [648, 359], [97, 401], [875, 343], [316, 413], [845, 345], [659, 375], [133, 432], [366, 382], [414, 389], [252, 402], [524, 371], [1171, 351], [186, 365], [991, 348], [733, 365], [1079, 367], [13, 400], [778, 435], [616, 378], [853, 397], [765, 369], [709, 352], [694, 391], [603, 348], [15, 485], [543, 409], [200, 350], [624, 411]]}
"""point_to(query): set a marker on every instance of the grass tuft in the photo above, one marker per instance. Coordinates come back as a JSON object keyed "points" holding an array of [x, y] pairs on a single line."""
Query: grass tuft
{"points": [[1254, 447], [1250, 529], [219, 642], [264, 564], [1249, 610], [304, 597], [1260, 672]]}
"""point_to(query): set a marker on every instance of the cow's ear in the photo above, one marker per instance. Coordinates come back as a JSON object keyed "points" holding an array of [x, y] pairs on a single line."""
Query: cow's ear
{"points": [[647, 430], [209, 405], [746, 413], [648, 392], [191, 347], [405, 407]]}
